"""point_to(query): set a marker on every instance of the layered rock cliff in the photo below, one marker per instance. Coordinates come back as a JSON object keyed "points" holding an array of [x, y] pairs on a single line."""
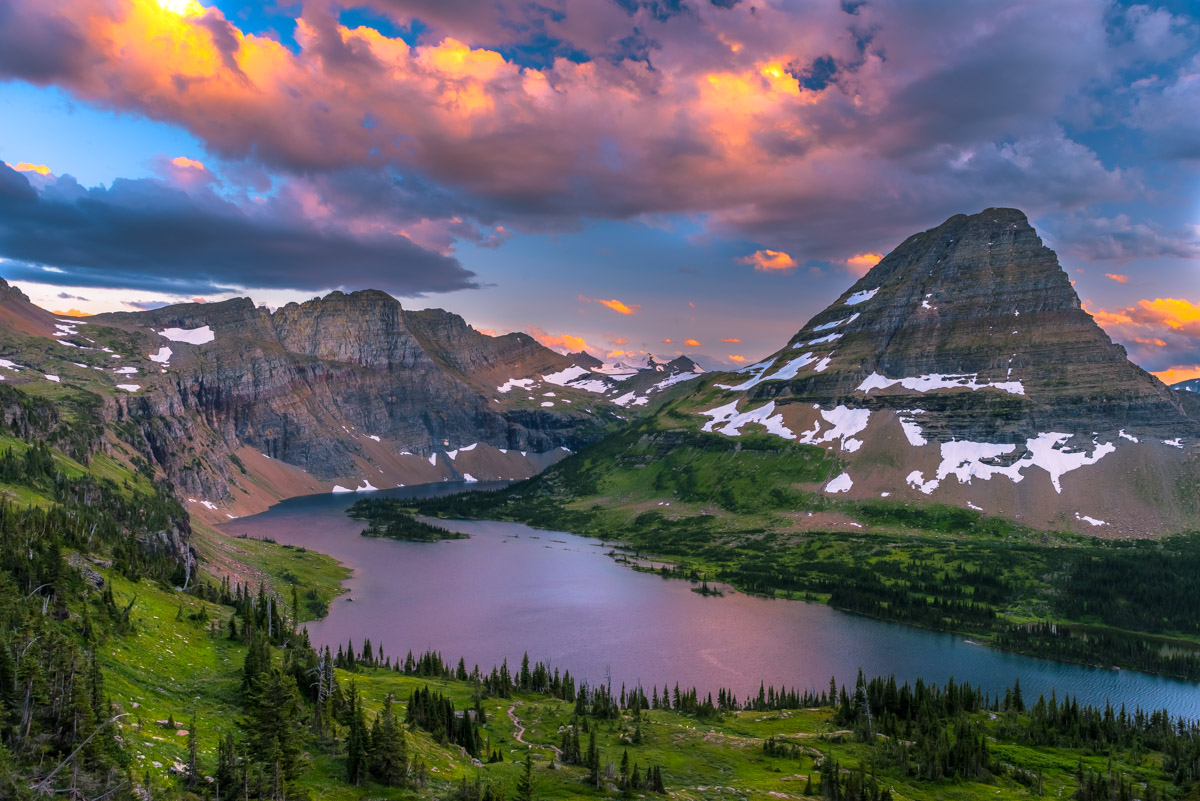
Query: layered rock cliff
{"points": [[963, 368]]}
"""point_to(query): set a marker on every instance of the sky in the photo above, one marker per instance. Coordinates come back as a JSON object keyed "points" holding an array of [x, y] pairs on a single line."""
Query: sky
{"points": [[624, 176]]}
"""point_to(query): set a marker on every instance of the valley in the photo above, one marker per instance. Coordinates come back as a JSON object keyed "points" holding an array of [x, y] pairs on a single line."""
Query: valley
{"points": [[190, 608]]}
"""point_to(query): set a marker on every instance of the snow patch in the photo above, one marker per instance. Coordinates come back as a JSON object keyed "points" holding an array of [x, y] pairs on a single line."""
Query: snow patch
{"points": [[163, 356], [125, 370], [731, 421], [846, 423], [842, 483], [563, 376], [433, 459], [366, 487], [192, 336], [56, 380], [470, 479], [928, 383], [1174, 443], [523, 383], [1093, 521], [547, 403], [859, 297], [372, 436], [678, 378], [452, 454], [788, 371], [129, 387], [836, 323], [1129, 437], [339, 489], [912, 431]]}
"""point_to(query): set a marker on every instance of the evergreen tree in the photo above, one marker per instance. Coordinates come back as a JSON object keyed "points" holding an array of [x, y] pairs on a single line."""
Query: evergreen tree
{"points": [[525, 782], [356, 740]]}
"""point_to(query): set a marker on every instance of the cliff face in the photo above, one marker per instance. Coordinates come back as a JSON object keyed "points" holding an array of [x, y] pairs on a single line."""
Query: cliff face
{"points": [[980, 296], [317, 385], [962, 368]]}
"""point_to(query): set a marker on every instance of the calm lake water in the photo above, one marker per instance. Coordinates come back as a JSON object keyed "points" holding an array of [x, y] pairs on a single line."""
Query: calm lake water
{"points": [[511, 589]]}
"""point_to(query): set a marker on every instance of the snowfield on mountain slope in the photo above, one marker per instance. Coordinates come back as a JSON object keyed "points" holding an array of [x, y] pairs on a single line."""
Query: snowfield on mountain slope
{"points": [[928, 383], [192, 336]]}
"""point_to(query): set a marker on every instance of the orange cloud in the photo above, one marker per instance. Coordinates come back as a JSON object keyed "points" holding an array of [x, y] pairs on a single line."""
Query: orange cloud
{"points": [[184, 163], [667, 341], [861, 263], [1163, 331], [731, 339], [1120, 279], [618, 306], [557, 341], [769, 260], [618, 341], [691, 343], [733, 357], [25, 166], [72, 313], [1176, 374]]}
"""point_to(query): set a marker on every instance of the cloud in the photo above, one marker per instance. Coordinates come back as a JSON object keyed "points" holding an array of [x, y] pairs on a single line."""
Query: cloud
{"points": [[861, 263], [731, 339], [798, 124], [1094, 238], [614, 304], [769, 261], [185, 163], [560, 342], [691, 343], [1160, 333], [733, 357], [72, 313], [25, 166], [617, 341], [148, 234], [618, 306], [1120, 279], [67, 296], [1180, 372], [667, 341]]}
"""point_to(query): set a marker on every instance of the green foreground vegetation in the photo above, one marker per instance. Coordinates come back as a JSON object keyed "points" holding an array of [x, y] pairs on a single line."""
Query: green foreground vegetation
{"points": [[132, 666], [728, 509]]}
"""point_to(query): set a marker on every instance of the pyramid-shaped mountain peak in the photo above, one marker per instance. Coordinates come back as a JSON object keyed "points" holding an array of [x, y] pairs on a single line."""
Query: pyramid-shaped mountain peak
{"points": [[965, 354]]}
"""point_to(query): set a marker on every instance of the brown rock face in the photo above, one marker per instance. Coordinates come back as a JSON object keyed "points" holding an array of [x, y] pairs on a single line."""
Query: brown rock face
{"points": [[962, 369], [309, 382], [981, 296]]}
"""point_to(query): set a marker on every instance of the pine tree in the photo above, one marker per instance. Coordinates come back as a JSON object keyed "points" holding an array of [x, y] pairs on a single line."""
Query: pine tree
{"points": [[525, 782], [389, 751], [356, 740], [593, 761], [193, 755]]}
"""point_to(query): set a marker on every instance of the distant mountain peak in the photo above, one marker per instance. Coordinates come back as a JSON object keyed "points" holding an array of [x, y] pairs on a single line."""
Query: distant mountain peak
{"points": [[962, 366]]}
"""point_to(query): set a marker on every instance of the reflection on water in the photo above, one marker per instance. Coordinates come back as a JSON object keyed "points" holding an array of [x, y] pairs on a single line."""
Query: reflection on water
{"points": [[511, 589]]}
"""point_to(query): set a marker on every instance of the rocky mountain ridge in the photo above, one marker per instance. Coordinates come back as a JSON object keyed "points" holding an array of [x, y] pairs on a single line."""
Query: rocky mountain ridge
{"points": [[240, 406], [962, 368]]}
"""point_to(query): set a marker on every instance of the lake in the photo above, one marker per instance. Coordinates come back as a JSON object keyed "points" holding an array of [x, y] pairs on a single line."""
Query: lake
{"points": [[511, 589]]}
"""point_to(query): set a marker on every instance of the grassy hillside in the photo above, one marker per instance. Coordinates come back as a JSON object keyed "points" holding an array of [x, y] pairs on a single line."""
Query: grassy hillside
{"points": [[748, 511]]}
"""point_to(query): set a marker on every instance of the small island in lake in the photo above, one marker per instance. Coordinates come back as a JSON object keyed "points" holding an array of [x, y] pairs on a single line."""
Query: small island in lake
{"points": [[390, 518]]}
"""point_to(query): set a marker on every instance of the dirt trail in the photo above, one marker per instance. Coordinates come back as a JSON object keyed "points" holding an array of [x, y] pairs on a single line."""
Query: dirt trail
{"points": [[519, 736]]}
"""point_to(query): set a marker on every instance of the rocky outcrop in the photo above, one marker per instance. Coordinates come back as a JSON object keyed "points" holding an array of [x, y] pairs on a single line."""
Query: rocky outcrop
{"points": [[979, 296], [315, 384]]}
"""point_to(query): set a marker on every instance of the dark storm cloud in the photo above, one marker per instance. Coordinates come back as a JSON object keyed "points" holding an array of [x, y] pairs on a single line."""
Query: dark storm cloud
{"points": [[149, 235]]}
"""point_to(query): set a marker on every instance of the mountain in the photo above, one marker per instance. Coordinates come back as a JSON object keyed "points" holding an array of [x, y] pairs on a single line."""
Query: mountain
{"points": [[962, 367], [240, 406], [1191, 385], [960, 371]]}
